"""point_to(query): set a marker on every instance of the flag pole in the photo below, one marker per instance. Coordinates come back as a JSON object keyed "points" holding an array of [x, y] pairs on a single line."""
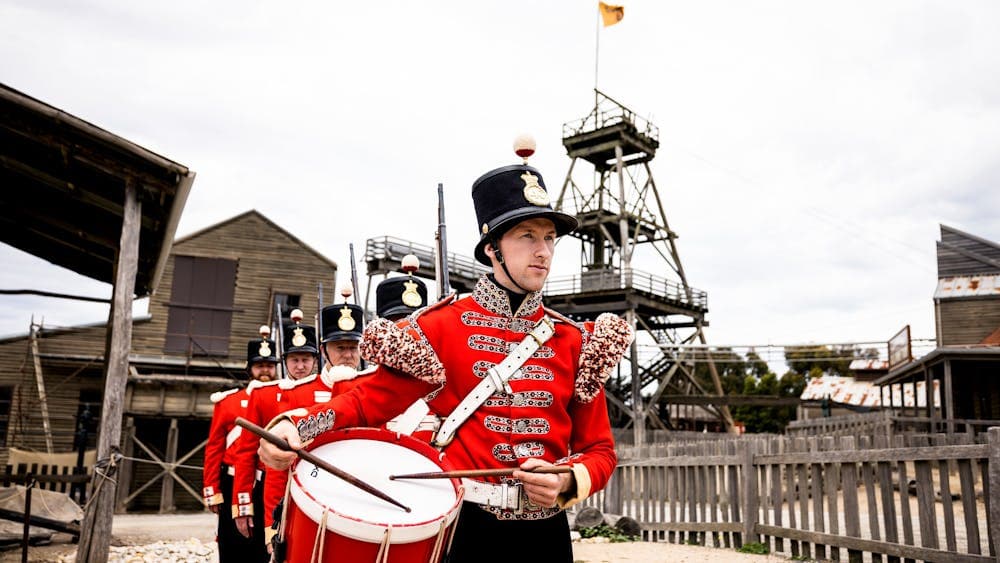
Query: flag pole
{"points": [[597, 51]]}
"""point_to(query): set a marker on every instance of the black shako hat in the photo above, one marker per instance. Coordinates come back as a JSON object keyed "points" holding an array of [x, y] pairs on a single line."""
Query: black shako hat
{"points": [[299, 338], [342, 322], [261, 350], [399, 296], [505, 196]]}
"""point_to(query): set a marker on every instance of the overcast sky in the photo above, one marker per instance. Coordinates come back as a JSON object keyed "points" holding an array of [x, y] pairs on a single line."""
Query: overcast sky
{"points": [[808, 153]]}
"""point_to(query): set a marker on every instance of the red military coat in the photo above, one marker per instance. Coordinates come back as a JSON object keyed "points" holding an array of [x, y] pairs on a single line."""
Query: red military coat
{"points": [[557, 411], [222, 433], [263, 406]]}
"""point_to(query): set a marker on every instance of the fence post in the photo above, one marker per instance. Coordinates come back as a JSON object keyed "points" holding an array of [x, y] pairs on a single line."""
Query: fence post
{"points": [[613, 493], [750, 499], [993, 495], [29, 483]]}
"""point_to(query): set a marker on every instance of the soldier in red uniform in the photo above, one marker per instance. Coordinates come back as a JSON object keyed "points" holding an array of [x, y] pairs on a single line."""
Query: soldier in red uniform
{"points": [[550, 410], [341, 326], [299, 356], [395, 299], [399, 297], [219, 458]]}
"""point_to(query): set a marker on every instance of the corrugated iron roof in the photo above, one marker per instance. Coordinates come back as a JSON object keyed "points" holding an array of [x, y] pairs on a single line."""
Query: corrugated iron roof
{"points": [[848, 391], [968, 286], [869, 365]]}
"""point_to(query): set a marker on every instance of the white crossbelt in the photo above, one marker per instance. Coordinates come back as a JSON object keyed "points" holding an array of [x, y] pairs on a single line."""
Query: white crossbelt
{"points": [[496, 379], [503, 496], [231, 471]]}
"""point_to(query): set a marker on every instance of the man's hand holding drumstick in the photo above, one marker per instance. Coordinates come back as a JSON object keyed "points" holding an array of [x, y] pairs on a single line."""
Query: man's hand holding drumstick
{"points": [[543, 489], [275, 457]]}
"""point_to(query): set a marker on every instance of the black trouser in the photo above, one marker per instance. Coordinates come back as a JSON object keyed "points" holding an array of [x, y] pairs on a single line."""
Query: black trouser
{"points": [[233, 547], [481, 538]]}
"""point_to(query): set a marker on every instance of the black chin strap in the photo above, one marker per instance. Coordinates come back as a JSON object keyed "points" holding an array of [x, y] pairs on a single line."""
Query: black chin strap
{"points": [[499, 255]]}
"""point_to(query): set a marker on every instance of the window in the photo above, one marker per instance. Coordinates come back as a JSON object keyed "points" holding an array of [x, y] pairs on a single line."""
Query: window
{"points": [[284, 303], [91, 401], [6, 396], [201, 306]]}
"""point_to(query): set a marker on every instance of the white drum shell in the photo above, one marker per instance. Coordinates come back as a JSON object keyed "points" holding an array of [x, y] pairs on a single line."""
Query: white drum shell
{"points": [[359, 515]]}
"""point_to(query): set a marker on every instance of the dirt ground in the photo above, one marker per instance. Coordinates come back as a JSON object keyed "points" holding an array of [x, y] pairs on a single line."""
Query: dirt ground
{"points": [[140, 529]]}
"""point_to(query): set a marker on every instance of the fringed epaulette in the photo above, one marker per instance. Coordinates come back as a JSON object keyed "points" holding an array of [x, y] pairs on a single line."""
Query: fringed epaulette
{"points": [[219, 395], [601, 353], [256, 384], [386, 343], [286, 384]]}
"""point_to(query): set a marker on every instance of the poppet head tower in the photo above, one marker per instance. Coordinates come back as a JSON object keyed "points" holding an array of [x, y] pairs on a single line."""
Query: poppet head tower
{"points": [[623, 224]]}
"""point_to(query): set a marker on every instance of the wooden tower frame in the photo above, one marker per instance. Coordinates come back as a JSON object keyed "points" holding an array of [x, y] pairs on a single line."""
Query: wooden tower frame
{"points": [[623, 212]]}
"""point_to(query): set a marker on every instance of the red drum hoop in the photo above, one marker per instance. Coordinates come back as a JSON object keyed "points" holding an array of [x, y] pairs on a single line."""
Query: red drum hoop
{"points": [[331, 520]]}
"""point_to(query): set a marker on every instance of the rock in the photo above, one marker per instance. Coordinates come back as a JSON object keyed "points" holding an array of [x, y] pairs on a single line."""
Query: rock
{"points": [[189, 551], [588, 517], [628, 526]]}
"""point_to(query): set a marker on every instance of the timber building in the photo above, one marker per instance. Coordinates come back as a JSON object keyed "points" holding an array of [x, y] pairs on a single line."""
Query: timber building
{"points": [[218, 286], [966, 363]]}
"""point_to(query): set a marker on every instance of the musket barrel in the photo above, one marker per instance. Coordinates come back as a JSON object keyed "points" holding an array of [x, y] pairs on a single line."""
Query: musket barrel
{"points": [[444, 287]]}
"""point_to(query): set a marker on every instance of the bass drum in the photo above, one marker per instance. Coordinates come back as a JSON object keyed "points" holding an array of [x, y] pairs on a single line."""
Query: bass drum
{"points": [[330, 520]]}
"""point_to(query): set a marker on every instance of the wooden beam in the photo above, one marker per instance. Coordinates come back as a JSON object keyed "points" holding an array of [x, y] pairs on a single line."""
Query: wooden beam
{"points": [[170, 457], [125, 472], [43, 400], [41, 522], [732, 400], [95, 534]]}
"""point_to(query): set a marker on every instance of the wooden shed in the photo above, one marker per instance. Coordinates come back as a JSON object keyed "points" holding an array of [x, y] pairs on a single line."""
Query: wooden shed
{"points": [[218, 286]]}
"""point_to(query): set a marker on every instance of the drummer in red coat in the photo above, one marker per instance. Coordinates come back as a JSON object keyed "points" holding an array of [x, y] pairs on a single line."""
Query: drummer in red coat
{"points": [[395, 299], [551, 410], [299, 356], [219, 452], [341, 326]]}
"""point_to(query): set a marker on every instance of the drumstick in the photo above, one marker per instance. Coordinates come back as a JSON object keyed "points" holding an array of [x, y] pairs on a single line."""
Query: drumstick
{"points": [[318, 462], [482, 472]]}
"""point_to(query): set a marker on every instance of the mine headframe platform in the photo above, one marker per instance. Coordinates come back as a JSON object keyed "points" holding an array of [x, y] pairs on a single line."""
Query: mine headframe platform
{"points": [[662, 304], [610, 124]]}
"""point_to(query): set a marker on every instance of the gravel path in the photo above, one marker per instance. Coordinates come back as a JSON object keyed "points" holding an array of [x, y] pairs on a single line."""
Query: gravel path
{"points": [[190, 538]]}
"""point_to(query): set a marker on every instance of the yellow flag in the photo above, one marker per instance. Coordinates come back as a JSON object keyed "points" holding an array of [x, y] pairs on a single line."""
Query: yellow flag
{"points": [[611, 14]]}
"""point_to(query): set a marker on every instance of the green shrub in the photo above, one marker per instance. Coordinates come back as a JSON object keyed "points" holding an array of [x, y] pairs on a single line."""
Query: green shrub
{"points": [[755, 548], [607, 532]]}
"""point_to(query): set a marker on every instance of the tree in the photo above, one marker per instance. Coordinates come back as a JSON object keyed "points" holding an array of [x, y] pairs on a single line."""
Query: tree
{"points": [[769, 419], [829, 360]]}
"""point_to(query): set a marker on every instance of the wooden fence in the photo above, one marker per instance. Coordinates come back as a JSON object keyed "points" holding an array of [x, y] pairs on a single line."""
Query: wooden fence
{"points": [[912, 498], [886, 423]]}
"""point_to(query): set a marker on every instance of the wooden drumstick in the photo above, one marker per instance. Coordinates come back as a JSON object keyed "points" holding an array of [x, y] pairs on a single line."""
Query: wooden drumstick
{"points": [[482, 472], [318, 462]]}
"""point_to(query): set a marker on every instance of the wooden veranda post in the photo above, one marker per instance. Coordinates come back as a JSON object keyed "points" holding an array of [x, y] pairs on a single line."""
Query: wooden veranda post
{"points": [[95, 532], [993, 499]]}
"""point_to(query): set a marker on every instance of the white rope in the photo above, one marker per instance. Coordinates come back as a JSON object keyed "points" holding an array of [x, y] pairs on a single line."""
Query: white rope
{"points": [[163, 463], [319, 541], [383, 548]]}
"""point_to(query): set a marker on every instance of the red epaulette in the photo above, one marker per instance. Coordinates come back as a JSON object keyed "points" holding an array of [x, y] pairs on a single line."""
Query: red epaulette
{"points": [[559, 317]]}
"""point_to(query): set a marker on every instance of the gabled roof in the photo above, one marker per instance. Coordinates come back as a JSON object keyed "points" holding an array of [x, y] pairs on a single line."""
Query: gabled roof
{"points": [[258, 214], [64, 191], [961, 254]]}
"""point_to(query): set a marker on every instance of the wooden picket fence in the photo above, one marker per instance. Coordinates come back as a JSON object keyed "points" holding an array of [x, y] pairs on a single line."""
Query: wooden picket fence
{"points": [[914, 497]]}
